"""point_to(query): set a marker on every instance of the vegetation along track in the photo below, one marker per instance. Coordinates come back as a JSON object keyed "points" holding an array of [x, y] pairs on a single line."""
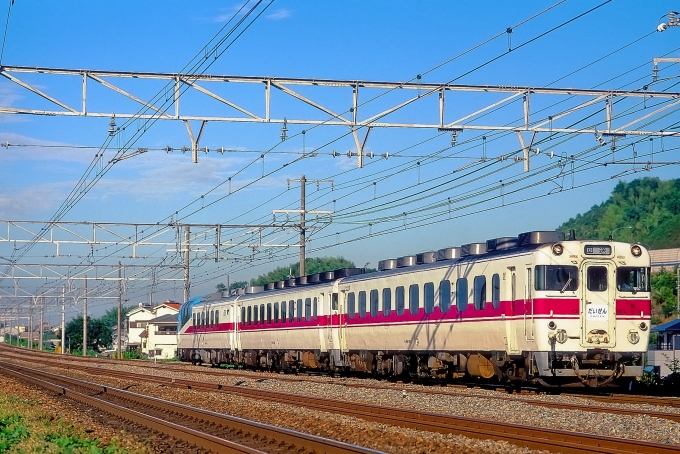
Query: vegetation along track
{"points": [[193, 425], [532, 437]]}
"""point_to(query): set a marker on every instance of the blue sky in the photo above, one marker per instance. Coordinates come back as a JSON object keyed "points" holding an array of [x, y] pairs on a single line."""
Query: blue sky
{"points": [[352, 40]]}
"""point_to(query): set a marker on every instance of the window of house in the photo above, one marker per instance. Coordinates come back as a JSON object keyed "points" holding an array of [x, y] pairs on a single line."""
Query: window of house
{"points": [[413, 299], [480, 292], [444, 296], [387, 301], [351, 305], [428, 297], [495, 291], [374, 303], [399, 296], [461, 294]]}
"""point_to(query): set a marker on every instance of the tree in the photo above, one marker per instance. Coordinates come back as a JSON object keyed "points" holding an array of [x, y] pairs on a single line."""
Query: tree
{"points": [[312, 266], [110, 317], [233, 286], [99, 334], [664, 291]]}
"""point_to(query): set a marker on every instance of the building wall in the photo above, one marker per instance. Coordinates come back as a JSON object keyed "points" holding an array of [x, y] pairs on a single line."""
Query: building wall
{"points": [[162, 346], [142, 316], [661, 358]]}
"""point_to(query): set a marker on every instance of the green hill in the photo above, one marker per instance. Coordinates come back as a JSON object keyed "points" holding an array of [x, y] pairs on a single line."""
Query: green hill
{"points": [[645, 211]]}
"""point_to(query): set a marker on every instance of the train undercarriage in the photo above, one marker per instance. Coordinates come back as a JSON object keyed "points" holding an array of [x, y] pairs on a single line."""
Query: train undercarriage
{"points": [[593, 368]]}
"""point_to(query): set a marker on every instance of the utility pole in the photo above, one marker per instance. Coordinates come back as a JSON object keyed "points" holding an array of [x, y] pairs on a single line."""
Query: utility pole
{"points": [[63, 320], [30, 325], [85, 320], [187, 248], [42, 314], [677, 290], [303, 210], [120, 308]]}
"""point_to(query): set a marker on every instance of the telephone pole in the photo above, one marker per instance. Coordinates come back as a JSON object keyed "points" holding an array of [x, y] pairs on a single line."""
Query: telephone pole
{"points": [[303, 210], [85, 320]]}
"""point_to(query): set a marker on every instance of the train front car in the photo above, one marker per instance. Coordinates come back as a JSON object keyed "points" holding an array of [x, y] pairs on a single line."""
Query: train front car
{"points": [[589, 313]]}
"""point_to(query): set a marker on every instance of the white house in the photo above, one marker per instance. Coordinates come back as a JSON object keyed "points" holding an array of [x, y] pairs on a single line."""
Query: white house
{"points": [[153, 331], [161, 339]]}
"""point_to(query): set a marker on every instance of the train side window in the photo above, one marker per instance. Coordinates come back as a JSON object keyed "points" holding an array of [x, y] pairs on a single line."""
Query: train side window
{"points": [[262, 319], [212, 318], [444, 296], [399, 296], [243, 315], [299, 310], [194, 319], [269, 312], [496, 291], [250, 314], [413, 299], [202, 318], [314, 309], [217, 317], [334, 302], [362, 304], [308, 309], [256, 312], [276, 312], [283, 311], [387, 301], [374, 303], [291, 311], [597, 278], [350, 305], [480, 292], [461, 294], [428, 297]]}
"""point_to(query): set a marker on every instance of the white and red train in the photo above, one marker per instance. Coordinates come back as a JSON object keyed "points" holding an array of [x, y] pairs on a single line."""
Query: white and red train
{"points": [[537, 308]]}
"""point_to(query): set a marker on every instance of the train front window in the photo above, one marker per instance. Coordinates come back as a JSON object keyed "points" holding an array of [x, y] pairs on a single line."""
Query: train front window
{"points": [[559, 278], [632, 279], [597, 278]]}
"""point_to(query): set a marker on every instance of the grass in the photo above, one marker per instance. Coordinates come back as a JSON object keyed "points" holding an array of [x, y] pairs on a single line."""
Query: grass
{"points": [[27, 427]]}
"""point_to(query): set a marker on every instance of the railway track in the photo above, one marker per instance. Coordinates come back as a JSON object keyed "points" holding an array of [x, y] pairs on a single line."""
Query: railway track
{"points": [[615, 398], [202, 428], [528, 436]]}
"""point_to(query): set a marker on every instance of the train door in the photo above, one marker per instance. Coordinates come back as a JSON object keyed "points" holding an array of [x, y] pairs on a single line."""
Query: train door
{"points": [[598, 310], [510, 321], [528, 305], [318, 315], [234, 316]]}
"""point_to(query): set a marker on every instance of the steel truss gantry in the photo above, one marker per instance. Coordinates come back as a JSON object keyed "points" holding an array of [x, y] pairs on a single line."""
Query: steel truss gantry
{"points": [[470, 119]]}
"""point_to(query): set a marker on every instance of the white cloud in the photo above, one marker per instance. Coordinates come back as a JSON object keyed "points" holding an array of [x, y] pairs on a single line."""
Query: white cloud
{"points": [[280, 14]]}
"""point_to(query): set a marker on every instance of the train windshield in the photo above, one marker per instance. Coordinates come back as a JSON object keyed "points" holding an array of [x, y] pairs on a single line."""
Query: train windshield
{"points": [[632, 279], [556, 277]]}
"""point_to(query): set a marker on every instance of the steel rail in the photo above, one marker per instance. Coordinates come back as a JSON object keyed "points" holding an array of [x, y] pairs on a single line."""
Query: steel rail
{"points": [[529, 436], [278, 435]]}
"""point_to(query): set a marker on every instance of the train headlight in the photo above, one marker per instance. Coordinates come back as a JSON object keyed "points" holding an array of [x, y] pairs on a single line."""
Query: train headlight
{"points": [[557, 249], [633, 337], [552, 325], [636, 251], [643, 326], [561, 336]]}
